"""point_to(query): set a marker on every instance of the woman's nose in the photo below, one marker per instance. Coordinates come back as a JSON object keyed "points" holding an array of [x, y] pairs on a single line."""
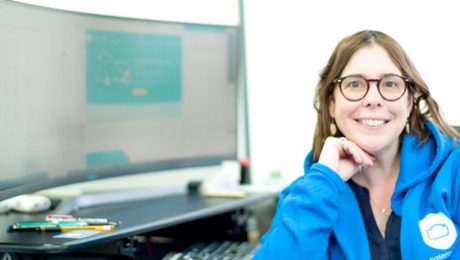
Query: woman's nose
{"points": [[373, 97]]}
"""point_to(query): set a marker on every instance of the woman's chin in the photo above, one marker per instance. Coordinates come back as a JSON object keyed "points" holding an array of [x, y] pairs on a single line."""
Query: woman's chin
{"points": [[375, 147], [371, 145]]}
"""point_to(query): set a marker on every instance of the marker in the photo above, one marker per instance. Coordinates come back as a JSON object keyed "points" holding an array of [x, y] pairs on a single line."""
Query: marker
{"points": [[89, 221], [57, 216], [43, 223], [49, 223], [34, 225], [11, 228], [16, 227]]}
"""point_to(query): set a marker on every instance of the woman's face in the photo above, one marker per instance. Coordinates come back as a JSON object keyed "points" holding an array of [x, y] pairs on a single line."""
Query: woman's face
{"points": [[354, 119]]}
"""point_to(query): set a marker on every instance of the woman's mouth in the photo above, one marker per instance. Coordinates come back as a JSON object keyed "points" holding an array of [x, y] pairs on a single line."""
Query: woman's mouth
{"points": [[372, 122]]}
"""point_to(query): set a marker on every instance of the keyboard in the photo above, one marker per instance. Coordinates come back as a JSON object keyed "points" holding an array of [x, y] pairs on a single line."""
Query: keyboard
{"points": [[226, 250]]}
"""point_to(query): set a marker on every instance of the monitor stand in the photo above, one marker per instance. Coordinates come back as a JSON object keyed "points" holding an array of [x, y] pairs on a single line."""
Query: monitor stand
{"points": [[126, 189], [71, 205]]}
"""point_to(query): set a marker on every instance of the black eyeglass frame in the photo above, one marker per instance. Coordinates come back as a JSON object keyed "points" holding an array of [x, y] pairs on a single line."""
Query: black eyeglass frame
{"points": [[407, 80]]}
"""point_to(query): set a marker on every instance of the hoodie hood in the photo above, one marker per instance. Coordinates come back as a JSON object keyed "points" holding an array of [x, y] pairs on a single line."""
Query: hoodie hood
{"points": [[419, 163]]}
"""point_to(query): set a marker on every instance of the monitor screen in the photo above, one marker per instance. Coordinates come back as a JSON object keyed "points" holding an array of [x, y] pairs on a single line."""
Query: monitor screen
{"points": [[85, 97]]}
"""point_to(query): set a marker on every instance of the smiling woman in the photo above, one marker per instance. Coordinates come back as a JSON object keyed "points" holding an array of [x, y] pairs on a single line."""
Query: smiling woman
{"points": [[373, 123], [383, 169], [343, 54]]}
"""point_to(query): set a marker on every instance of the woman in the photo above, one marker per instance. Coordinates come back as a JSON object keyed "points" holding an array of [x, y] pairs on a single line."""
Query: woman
{"points": [[382, 180]]}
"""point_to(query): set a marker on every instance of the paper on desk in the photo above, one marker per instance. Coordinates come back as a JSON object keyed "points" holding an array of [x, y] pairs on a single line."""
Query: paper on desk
{"points": [[77, 234]]}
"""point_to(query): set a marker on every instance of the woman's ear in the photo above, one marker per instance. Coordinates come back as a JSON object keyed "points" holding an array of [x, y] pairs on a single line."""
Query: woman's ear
{"points": [[331, 107], [410, 104]]}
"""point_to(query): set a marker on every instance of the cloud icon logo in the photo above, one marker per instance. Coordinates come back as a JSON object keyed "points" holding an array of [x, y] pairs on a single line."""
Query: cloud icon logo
{"points": [[437, 231]]}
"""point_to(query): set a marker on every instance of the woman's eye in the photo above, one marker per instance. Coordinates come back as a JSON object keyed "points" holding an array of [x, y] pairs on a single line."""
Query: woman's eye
{"points": [[390, 84], [354, 84]]}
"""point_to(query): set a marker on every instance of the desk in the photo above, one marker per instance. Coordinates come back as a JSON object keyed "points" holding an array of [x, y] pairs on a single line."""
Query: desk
{"points": [[137, 218]]}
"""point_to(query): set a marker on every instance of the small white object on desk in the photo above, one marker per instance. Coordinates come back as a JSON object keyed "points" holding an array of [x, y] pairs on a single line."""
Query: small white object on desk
{"points": [[225, 182], [226, 179], [29, 203]]}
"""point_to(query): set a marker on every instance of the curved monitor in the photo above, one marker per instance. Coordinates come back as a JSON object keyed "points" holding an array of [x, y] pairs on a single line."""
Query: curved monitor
{"points": [[84, 97]]}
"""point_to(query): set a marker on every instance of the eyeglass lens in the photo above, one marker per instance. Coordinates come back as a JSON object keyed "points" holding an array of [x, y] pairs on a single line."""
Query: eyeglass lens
{"points": [[390, 87]]}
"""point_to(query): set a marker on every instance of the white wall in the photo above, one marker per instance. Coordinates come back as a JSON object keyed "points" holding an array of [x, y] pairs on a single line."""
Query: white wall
{"points": [[222, 12], [288, 42]]}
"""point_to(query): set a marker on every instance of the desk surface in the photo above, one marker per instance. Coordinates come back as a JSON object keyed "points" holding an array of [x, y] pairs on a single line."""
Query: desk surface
{"points": [[137, 218]]}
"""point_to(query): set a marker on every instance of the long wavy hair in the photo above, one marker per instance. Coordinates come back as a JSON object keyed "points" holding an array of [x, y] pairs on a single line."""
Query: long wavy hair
{"points": [[424, 106]]}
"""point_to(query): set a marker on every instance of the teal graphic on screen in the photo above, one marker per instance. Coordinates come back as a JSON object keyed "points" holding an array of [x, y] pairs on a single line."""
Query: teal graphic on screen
{"points": [[132, 76], [204, 28], [132, 68], [106, 158]]}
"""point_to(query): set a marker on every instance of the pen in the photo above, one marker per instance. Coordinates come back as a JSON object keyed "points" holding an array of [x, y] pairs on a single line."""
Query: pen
{"points": [[34, 225], [66, 229], [11, 228]]}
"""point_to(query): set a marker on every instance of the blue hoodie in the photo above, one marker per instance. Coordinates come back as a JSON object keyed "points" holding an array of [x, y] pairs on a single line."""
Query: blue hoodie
{"points": [[318, 216]]}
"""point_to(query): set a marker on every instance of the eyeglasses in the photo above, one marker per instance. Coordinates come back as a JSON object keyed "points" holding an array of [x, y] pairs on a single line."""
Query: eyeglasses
{"points": [[391, 87]]}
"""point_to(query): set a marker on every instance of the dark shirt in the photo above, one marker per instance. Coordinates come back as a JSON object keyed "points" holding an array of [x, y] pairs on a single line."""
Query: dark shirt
{"points": [[387, 248]]}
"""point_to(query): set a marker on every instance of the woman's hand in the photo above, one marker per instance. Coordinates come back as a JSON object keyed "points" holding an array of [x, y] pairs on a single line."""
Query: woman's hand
{"points": [[344, 159]]}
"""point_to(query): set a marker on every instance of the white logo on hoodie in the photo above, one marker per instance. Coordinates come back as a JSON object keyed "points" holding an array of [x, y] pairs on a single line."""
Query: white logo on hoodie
{"points": [[438, 231]]}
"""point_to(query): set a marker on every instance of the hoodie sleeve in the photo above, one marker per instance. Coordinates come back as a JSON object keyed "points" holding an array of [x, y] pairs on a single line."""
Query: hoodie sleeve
{"points": [[306, 213]]}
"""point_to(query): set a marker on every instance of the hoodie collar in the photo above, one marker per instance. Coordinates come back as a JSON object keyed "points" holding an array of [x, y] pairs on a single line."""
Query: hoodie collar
{"points": [[418, 163]]}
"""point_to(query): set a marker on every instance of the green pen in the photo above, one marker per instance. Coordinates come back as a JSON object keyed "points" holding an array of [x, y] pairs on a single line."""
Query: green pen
{"points": [[48, 224], [44, 223]]}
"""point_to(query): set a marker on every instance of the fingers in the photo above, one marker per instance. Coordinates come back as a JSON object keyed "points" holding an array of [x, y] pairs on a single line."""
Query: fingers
{"points": [[350, 149], [343, 157]]}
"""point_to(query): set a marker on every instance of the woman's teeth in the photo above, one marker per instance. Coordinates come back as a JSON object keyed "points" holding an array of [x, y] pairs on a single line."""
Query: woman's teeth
{"points": [[371, 122]]}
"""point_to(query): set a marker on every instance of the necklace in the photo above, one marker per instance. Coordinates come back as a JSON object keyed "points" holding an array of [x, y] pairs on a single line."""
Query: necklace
{"points": [[383, 218]]}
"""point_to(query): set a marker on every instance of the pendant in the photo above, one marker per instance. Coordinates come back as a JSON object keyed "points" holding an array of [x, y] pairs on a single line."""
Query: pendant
{"points": [[383, 222]]}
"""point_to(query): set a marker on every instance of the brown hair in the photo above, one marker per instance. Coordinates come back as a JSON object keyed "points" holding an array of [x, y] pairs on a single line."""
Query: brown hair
{"points": [[424, 106]]}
